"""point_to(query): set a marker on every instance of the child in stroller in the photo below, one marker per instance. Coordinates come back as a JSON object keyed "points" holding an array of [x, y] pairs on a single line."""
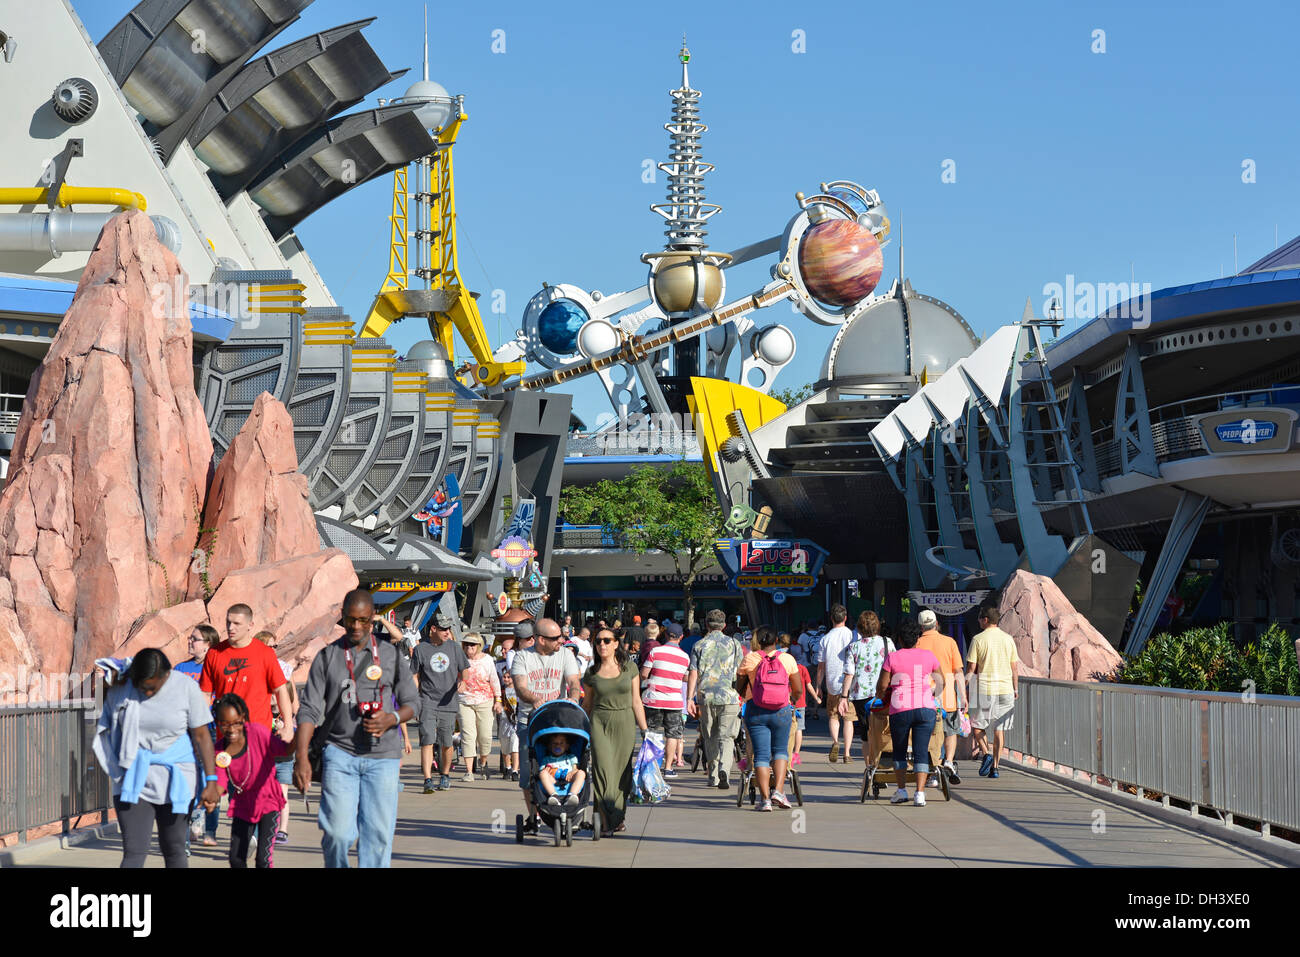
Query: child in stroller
{"points": [[559, 774]]}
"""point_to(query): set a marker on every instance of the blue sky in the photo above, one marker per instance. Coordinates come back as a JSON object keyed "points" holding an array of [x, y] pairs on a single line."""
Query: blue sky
{"points": [[1067, 161]]}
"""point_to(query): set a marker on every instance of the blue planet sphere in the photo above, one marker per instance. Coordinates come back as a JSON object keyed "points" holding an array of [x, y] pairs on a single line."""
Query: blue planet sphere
{"points": [[558, 325]]}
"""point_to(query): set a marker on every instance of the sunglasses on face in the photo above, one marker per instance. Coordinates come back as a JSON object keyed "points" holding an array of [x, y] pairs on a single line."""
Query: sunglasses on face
{"points": [[606, 641]]}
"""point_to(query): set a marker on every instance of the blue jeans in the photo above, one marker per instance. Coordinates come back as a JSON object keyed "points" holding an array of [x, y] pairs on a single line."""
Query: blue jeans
{"points": [[358, 802], [920, 722], [769, 732]]}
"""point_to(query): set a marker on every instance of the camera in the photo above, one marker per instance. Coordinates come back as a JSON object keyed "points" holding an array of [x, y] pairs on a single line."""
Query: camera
{"points": [[367, 708]]}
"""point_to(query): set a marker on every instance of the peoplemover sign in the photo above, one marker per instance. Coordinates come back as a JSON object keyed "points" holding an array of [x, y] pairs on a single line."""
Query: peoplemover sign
{"points": [[1247, 431]]}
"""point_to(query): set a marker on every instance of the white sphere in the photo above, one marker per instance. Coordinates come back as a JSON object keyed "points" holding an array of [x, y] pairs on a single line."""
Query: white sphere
{"points": [[426, 349], [597, 337], [436, 108], [775, 344]]}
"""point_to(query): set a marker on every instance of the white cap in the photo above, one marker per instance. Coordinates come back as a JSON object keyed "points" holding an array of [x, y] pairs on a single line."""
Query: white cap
{"points": [[927, 619]]}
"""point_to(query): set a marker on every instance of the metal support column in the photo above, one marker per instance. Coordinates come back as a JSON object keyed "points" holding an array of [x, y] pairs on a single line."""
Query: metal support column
{"points": [[1137, 449], [1078, 430], [1183, 528]]}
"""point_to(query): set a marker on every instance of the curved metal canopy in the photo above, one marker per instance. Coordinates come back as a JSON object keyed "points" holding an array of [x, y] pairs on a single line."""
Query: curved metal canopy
{"points": [[170, 57], [405, 558], [344, 153], [277, 99]]}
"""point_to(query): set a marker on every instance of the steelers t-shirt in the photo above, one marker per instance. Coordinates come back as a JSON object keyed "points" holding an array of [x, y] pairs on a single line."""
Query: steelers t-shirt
{"points": [[438, 668]]}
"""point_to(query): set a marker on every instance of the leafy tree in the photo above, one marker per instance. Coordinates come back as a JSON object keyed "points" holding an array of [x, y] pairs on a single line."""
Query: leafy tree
{"points": [[792, 397], [671, 510]]}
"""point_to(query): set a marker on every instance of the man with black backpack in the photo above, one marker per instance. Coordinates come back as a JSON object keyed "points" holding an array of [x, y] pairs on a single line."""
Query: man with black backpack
{"points": [[358, 693]]}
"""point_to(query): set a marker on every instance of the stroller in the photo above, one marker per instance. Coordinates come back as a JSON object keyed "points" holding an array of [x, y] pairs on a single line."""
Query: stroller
{"points": [[568, 718]]}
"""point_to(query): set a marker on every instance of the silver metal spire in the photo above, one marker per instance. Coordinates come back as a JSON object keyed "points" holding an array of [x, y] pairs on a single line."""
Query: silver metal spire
{"points": [[685, 209], [426, 41]]}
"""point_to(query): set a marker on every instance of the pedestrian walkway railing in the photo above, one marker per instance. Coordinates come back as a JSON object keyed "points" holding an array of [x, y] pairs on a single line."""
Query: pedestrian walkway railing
{"points": [[1234, 754], [48, 773]]}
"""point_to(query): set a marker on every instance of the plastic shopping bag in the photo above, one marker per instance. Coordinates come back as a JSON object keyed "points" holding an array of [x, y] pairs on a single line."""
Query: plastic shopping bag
{"points": [[964, 731], [649, 786]]}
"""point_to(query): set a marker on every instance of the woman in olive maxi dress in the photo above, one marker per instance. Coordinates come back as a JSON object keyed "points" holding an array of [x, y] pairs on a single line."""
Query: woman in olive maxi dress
{"points": [[612, 700]]}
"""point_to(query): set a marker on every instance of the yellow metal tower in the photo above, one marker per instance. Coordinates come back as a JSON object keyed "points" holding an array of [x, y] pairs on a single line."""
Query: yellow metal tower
{"points": [[452, 305]]}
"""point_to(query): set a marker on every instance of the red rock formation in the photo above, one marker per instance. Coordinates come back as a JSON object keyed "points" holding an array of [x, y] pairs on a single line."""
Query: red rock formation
{"points": [[98, 520], [1052, 639], [257, 505], [298, 600]]}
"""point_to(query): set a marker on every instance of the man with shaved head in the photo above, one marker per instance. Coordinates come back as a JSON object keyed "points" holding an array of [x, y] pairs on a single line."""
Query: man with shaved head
{"points": [[239, 665], [541, 674], [350, 695]]}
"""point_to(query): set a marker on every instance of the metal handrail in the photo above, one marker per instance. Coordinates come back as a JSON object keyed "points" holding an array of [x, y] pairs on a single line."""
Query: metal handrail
{"points": [[1231, 752], [1158, 413]]}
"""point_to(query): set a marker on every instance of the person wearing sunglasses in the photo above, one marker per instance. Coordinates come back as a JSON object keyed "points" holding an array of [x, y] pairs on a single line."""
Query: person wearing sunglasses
{"points": [[539, 675], [613, 703]]}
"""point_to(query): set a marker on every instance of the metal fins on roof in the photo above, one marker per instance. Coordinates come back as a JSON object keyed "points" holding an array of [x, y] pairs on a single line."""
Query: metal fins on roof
{"points": [[1286, 256], [340, 155], [279, 98], [170, 57]]}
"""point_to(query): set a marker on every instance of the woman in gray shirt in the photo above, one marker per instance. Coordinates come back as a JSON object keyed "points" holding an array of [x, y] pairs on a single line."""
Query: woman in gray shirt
{"points": [[153, 723]]}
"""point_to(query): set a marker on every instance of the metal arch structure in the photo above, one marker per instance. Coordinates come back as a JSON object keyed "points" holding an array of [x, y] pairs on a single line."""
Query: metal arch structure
{"points": [[398, 451], [430, 466], [171, 57], [339, 156], [364, 428], [257, 357], [484, 463], [324, 380], [281, 97]]}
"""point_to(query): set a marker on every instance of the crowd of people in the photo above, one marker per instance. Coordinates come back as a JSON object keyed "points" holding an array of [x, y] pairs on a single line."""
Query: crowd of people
{"points": [[235, 715]]}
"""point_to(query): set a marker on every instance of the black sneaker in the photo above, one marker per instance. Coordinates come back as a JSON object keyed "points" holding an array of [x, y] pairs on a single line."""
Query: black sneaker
{"points": [[444, 783], [428, 786], [951, 770], [670, 773], [723, 783], [514, 776]]}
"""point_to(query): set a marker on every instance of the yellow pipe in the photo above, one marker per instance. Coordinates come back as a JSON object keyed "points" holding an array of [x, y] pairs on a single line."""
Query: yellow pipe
{"points": [[68, 195]]}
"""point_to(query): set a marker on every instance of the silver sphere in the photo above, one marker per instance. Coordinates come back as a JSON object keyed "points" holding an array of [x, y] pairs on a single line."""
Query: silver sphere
{"points": [[434, 101], [775, 345], [597, 337]]}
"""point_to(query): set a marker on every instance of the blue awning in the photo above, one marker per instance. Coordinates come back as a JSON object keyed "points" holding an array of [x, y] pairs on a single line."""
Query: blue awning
{"points": [[47, 300]]}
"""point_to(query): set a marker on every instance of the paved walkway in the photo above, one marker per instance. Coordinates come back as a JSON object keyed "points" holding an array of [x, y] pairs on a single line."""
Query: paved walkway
{"points": [[1016, 821]]}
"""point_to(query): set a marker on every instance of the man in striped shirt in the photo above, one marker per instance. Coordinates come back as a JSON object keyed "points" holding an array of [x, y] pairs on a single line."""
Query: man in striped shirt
{"points": [[664, 673]]}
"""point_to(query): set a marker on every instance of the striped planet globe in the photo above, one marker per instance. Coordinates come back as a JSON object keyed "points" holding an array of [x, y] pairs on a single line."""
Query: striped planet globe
{"points": [[840, 262]]}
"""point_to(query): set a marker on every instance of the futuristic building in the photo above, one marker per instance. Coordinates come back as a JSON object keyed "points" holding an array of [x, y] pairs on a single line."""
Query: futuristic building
{"points": [[175, 112]]}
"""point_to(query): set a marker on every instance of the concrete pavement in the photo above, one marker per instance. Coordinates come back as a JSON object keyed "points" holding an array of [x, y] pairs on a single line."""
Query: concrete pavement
{"points": [[1018, 820]]}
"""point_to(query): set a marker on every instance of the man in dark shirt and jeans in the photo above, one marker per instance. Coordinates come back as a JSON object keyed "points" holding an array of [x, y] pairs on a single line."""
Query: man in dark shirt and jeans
{"points": [[440, 664], [350, 692]]}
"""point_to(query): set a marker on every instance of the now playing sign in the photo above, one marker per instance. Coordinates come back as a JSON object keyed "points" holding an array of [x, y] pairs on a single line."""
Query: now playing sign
{"points": [[1246, 431]]}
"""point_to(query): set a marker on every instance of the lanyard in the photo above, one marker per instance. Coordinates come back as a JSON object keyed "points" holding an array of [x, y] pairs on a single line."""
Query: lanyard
{"points": [[374, 657]]}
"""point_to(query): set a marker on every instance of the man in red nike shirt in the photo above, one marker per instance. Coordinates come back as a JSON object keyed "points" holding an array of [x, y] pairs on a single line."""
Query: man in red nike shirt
{"points": [[239, 665]]}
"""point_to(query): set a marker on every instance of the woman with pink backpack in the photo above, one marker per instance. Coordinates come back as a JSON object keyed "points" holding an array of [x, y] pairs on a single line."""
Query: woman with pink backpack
{"points": [[769, 680]]}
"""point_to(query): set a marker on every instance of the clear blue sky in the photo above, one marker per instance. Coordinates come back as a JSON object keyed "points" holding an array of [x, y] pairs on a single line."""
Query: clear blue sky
{"points": [[1067, 161]]}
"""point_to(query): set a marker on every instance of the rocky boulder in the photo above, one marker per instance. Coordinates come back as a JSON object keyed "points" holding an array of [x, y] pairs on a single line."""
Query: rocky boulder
{"points": [[298, 600], [1052, 639], [257, 510], [100, 515]]}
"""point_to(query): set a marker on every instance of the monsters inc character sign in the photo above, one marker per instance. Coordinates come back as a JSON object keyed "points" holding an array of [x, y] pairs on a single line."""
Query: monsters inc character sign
{"points": [[789, 566]]}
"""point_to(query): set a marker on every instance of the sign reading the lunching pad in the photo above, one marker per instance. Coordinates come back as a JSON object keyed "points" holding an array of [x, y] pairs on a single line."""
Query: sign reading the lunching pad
{"points": [[1245, 431]]}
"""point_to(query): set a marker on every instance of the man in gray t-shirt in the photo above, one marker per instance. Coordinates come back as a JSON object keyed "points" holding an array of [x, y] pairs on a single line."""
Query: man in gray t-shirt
{"points": [[541, 674], [439, 664], [359, 690]]}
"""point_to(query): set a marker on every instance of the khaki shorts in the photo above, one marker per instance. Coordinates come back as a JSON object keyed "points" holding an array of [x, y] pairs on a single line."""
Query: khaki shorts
{"points": [[833, 702], [995, 713]]}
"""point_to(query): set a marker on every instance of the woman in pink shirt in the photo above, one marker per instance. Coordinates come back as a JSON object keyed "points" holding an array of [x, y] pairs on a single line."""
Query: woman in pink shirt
{"points": [[911, 676], [480, 703]]}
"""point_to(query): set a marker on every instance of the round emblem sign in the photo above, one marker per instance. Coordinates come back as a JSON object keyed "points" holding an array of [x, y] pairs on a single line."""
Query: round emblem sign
{"points": [[503, 603], [223, 759]]}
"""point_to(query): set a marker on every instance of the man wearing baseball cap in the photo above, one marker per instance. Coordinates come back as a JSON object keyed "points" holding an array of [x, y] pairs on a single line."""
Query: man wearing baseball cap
{"points": [[439, 664], [954, 695]]}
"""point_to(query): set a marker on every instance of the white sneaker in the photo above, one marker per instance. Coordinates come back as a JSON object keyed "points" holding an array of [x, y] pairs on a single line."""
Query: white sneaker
{"points": [[900, 797], [934, 781], [468, 777], [919, 800]]}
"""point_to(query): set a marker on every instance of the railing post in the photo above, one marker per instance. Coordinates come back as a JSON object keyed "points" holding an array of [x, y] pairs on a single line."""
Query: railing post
{"points": [[20, 776], [1098, 719], [1206, 794]]}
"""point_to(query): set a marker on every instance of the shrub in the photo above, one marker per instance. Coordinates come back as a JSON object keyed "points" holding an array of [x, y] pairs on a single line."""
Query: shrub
{"points": [[1207, 659]]}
